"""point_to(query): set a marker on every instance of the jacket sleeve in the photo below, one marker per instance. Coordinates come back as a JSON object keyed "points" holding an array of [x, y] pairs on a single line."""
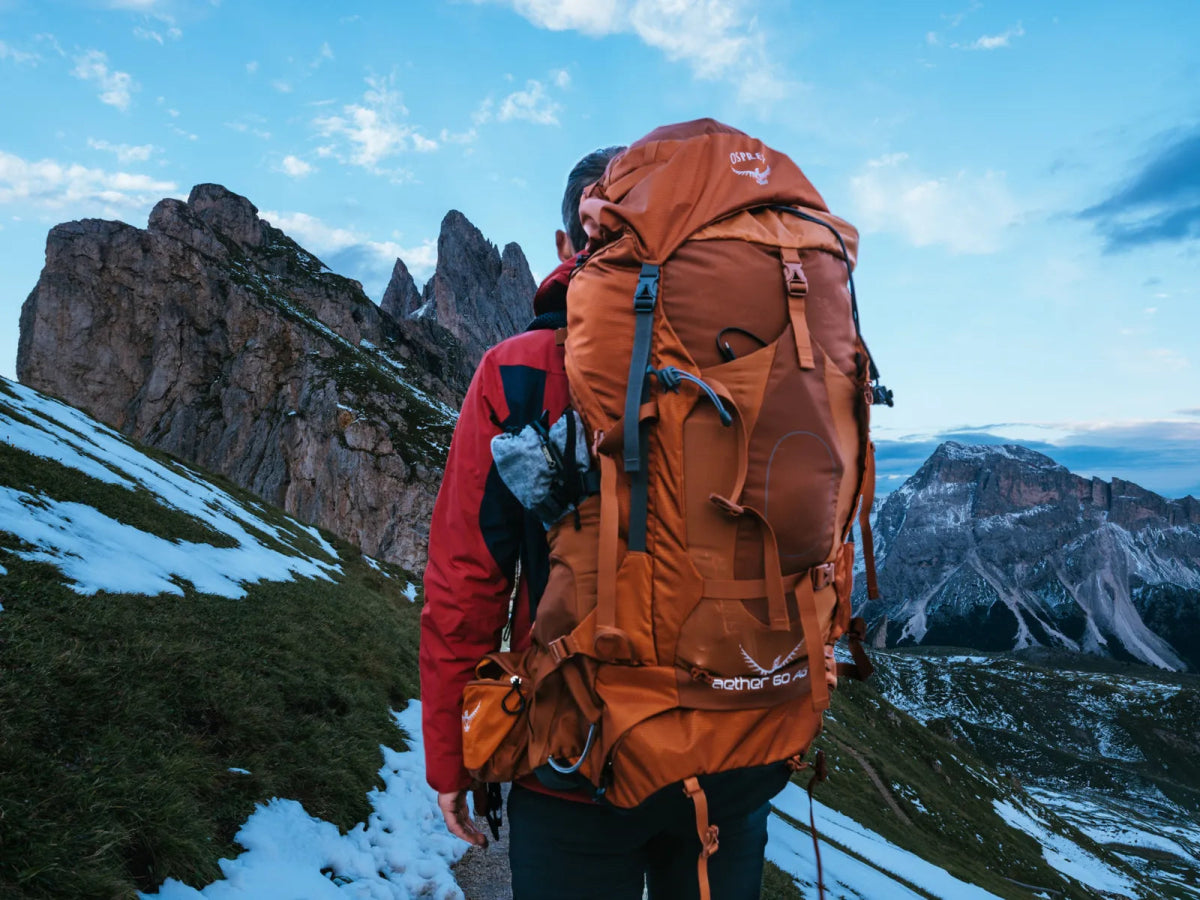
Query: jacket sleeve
{"points": [[474, 541]]}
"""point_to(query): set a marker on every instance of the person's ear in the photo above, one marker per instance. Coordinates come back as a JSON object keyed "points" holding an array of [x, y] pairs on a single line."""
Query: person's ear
{"points": [[562, 241]]}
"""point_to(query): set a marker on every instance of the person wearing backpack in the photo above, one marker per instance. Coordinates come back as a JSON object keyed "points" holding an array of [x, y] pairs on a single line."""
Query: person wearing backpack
{"points": [[684, 528]]}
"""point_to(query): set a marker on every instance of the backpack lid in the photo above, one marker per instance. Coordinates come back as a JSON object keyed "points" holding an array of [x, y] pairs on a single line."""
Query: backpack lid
{"points": [[679, 178]]}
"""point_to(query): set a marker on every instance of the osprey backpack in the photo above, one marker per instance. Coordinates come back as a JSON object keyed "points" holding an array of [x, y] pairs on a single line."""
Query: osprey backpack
{"points": [[715, 363]]}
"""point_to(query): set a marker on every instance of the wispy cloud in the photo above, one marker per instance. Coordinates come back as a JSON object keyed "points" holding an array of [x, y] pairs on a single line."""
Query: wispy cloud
{"points": [[150, 34], [1160, 203], [53, 186], [115, 87], [11, 54], [997, 41], [967, 213], [125, 153], [372, 131], [719, 40], [324, 55], [252, 67], [353, 253], [282, 85], [295, 167], [532, 104]]}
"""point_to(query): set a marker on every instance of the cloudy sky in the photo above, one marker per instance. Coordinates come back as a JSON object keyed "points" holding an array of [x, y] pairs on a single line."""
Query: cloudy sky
{"points": [[1026, 175]]}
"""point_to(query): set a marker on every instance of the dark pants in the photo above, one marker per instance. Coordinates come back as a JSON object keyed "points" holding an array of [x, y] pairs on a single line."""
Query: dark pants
{"points": [[564, 850]]}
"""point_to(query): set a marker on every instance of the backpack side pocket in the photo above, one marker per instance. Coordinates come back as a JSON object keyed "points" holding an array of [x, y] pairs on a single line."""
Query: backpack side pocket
{"points": [[495, 719]]}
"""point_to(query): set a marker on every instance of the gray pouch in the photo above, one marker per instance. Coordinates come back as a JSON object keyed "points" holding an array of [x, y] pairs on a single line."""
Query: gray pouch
{"points": [[548, 470]]}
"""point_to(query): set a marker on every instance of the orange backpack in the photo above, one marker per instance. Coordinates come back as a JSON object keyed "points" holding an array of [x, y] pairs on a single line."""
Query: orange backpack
{"points": [[714, 357]]}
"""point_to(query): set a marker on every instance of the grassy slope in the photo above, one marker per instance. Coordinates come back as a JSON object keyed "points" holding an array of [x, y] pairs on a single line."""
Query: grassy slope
{"points": [[945, 792], [121, 714]]}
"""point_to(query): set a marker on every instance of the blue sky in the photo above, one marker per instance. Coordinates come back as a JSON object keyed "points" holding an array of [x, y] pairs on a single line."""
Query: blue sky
{"points": [[1026, 176]]}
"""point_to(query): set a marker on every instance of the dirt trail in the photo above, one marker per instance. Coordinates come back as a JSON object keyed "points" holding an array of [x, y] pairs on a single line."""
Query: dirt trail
{"points": [[878, 782]]}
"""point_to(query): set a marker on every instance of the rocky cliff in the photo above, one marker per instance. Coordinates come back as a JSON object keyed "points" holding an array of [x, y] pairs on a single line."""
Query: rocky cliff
{"points": [[477, 293], [999, 547], [214, 336]]}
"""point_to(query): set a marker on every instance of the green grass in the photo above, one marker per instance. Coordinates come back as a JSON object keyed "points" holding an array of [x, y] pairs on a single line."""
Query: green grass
{"points": [[120, 716], [778, 884], [939, 787]]}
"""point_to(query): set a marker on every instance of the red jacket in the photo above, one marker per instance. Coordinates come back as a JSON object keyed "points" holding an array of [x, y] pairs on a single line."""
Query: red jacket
{"points": [[479, 530]]}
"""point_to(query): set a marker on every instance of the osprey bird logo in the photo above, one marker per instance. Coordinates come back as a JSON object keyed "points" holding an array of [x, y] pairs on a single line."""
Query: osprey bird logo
{"points": [[759, 175], [468, 717], [780, 661]]}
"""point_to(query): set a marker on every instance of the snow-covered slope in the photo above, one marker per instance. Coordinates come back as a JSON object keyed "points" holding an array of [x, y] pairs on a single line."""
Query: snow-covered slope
{"points": [[98, 551]]}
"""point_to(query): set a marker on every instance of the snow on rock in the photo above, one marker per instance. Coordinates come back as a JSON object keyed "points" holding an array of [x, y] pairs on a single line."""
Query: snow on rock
{"points": [[1067, 857], [403, 850], [98, 553], [846, 875]]}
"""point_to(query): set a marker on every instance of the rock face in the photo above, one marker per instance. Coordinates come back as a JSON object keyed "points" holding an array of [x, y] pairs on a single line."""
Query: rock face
{"points": [[214, 336], [999, 547], [477, 293]]}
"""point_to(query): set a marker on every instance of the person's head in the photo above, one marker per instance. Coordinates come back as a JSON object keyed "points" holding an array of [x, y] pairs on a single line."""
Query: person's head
{"points": [[586, 172]]}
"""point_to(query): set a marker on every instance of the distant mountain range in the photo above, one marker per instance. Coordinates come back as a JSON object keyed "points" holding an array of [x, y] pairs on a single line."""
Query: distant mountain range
{"points": [[1000, 548]]}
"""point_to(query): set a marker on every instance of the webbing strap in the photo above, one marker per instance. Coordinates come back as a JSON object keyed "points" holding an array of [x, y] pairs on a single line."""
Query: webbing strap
{"points": [[797, 290], [864, 522], [862, 667], [743, 439], [606, 555], [645, 298], [707, 833], [772, 571], [806, 603]]}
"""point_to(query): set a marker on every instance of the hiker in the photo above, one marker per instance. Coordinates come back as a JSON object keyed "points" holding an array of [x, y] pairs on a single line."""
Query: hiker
{"points": [[694, 656]]}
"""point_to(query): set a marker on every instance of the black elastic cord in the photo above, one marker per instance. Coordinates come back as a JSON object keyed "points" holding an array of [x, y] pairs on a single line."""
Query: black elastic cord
{"points": [[726, 351]]}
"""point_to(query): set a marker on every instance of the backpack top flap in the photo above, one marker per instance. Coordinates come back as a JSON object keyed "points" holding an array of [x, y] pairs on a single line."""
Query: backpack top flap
{"points": [[679, 178]]}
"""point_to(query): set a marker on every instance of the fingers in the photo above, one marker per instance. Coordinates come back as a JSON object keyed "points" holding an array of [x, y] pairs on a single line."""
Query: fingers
{"points": [[458, 818]]}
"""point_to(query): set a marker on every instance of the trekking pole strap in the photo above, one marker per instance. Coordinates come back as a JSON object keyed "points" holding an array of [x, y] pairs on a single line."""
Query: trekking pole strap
{"points": [[707, 833]]}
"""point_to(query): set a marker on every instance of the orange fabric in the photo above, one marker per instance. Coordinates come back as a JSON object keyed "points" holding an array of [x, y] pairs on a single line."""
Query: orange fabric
{"points": [[797, 290], [606, 573], [707, 833], [814, 643]]}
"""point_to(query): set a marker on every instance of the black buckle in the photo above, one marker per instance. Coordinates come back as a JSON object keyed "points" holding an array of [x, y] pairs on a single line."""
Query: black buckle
{"points": [[645, 298]]}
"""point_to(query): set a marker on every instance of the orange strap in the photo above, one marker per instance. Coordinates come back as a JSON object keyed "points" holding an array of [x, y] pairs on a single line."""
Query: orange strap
{"points": [[864, 522], [560, 336], [773, 580], [797, 289], [707, 833], [606, 572], [862, 667], [814, 643]]}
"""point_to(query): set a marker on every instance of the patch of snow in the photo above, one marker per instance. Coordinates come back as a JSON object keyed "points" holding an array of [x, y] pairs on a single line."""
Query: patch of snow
{"points": [[402, 851], [410, 591], [236, 771], [1063, 854], [101, 554], [845, 875]]}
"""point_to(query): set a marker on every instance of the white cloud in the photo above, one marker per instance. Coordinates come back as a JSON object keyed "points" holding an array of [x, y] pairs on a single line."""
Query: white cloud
{"points": [[716, 39], [463, 137], [353, 253], [295, 167], [966, 213], [20, 57], [252, 67], [562, 78], [284, 87], [530, 105], [115, 87], [368, 133], [423, 144], [125, 153], [50, 185], [323, 55], [996, 41]]}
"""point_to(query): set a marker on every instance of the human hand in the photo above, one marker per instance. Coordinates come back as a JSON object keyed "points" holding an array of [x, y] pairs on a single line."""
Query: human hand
{"points": [[458, 818]]}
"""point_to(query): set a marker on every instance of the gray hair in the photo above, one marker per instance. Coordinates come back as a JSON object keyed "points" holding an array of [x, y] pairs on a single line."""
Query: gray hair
{"points": [[587, 171]]}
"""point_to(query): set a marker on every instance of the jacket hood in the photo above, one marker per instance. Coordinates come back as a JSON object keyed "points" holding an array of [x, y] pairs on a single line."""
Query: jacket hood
{"points": [[551, 294]]}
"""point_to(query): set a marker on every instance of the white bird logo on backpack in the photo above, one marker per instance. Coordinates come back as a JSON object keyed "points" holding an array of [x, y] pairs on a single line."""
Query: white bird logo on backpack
{"points": [[467, 717], [779, 663]]}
